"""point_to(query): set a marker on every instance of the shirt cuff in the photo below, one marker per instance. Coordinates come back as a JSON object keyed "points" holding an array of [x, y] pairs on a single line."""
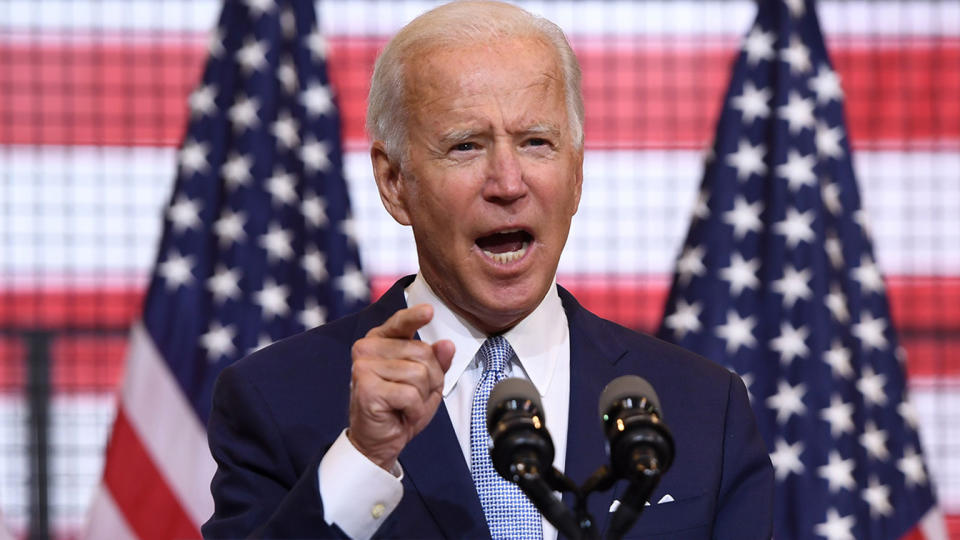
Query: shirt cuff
{"points": [[358, 512]]}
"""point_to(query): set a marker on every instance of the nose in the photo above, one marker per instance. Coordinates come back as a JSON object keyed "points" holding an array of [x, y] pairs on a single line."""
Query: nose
{"points": [[505, 181]]}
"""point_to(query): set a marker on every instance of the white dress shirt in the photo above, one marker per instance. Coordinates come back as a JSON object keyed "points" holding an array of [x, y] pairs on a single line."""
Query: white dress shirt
{"points": [[541, 342]]}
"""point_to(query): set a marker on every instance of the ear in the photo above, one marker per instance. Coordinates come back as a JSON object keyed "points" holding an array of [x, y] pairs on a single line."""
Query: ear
{"points": [[579, 180], [389, 183]]}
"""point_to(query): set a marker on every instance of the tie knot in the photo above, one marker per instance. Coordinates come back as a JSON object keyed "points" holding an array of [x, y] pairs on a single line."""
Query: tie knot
{"points": [[495, 353]]}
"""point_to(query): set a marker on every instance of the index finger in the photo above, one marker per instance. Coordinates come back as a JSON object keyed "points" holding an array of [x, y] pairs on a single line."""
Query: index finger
{"points": [[404, 323]]}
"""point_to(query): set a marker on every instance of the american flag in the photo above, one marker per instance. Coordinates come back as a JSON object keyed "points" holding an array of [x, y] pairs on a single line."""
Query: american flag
{"points": [[258, 244], [777, 280]]}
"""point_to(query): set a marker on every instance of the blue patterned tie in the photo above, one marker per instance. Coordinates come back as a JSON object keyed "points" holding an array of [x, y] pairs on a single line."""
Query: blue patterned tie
{"points": [[509, 513]]}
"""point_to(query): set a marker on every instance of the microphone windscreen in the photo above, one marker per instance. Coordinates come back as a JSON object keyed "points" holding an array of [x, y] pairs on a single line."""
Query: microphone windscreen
{"points": [[627, 386], [514, 388]]}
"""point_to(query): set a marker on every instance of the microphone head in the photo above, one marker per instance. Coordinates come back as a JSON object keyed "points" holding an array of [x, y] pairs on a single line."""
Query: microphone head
{"points": [[517, 390], [628, 386]]}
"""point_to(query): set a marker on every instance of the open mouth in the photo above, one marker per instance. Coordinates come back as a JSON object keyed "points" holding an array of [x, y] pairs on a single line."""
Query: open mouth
{"points": [[505, 246]]}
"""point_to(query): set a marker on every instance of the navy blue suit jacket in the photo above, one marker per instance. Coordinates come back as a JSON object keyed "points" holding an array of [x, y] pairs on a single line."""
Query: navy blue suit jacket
{"points": [[277, 411]]}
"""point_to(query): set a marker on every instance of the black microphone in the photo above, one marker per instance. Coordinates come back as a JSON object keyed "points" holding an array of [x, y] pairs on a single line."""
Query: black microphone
{"points": [[522, 450], [639, 443]]}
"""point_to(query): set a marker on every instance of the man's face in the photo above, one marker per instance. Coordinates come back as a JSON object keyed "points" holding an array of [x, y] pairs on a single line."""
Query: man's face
{"points": [[491, 178]]}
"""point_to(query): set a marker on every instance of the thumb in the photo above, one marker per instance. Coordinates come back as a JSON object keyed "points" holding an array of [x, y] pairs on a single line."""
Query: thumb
{"points": [[443, 350]]}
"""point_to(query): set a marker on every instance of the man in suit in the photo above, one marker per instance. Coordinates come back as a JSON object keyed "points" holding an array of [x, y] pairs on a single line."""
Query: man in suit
{"points": [[366, 427]]}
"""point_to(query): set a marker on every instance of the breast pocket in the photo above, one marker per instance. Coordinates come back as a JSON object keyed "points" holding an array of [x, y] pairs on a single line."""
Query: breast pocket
{"points": [[688, 518]]}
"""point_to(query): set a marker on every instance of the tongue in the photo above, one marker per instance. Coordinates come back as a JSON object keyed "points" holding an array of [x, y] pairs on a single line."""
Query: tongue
{"points": [[503, 242]]}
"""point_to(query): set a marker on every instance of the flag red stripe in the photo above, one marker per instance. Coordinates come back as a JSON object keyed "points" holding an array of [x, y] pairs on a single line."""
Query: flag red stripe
{"points": [[640, 93], [140, 490]]}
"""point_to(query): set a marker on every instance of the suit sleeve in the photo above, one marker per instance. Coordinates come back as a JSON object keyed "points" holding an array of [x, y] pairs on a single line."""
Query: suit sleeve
{"points": [[257, 491], [745, 505]]}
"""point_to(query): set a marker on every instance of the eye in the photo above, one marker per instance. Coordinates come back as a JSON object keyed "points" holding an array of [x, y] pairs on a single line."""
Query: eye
{"points": [[537, 141], [464, 147]]}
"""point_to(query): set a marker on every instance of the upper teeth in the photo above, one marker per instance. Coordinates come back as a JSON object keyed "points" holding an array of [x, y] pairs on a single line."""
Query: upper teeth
{"points": [[508, 256]]}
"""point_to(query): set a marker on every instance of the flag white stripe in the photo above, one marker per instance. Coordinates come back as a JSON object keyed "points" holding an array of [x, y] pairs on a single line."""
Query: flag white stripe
{"points": [[172, 433], [106, 521], [593, 17], [634, 212]]}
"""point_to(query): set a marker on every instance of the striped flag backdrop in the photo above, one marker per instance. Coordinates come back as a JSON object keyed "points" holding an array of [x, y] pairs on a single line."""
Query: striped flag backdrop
{"points": [[257, 245], [778, 281], [92, 117]]}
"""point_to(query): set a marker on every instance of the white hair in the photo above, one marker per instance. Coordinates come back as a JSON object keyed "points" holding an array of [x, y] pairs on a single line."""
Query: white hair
{"points": [[456, 23]]}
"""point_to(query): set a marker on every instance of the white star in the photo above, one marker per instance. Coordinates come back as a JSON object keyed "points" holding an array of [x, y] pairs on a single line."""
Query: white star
{"points": [[281, 188], [836, 527], [236, 171], [349, 229], [748, 159], [791, 343], [176, 270], [753, 103], [202, 100], [287, 74], [870, 331], [830, 193], [741, 274], [875, 441], [315, 264], [839, 415], [685, 318], [744, 217], [215, 46], [834, 249], [828, 140], [313, 314], [184, 214], [243, 114], [837, 303], [701, 210], [796, 7], [786, 458], [826, 84], [868, 275], [788, 401], [796, 227], [218, 341], [871, 386], [838, 358], [259, 7], [263, 341], [277, 243], [252, 56], [223, 284], [288, 22], [793, 285], [272, 298], [798, 112], [877, 496], [690, 264], [315, 155], [314, 210], [911, 465], [737, 332], [797, 55], [317, 99], [353, 285], [747, 379], [759, 46], [317, 45], [838, 473], [193, 157], [798, 170], [905, 410], [229, 228], [285, 130]]}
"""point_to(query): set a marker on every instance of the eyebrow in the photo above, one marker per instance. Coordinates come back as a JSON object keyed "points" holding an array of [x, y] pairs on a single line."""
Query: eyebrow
{"points": [[457, 135]]}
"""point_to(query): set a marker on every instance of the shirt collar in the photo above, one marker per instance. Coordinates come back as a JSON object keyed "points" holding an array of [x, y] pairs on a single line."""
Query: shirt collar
{"points": [[537, 339]]}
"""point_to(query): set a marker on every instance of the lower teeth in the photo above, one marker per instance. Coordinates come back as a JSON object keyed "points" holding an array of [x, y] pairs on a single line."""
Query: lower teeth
{"points": [[509, 256]]}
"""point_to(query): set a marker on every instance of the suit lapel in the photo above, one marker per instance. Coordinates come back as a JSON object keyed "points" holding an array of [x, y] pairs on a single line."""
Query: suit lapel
{"points": [[433, 465], [593, 358]]}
